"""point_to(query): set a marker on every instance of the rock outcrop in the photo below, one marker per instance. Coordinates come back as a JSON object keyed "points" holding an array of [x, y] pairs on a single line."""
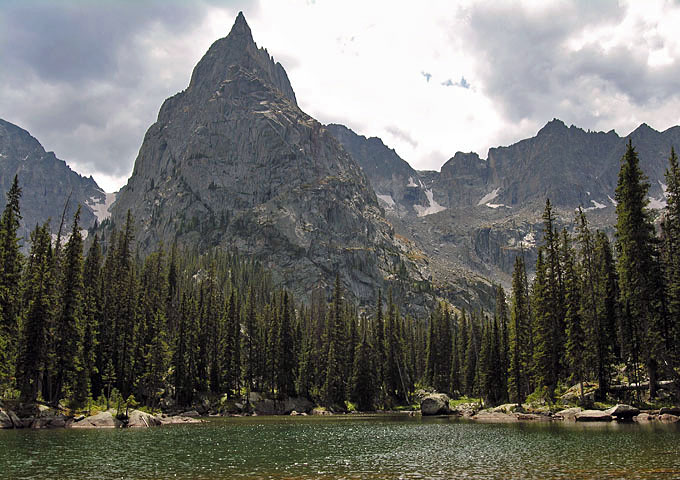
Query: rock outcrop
{"points": [[593, 416], [623, 412], [233, 162], [435, 404], [100, 420], [8, 419]]}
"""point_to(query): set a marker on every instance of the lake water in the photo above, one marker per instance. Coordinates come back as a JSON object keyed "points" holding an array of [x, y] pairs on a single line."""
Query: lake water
{"points": [[346, 447]]}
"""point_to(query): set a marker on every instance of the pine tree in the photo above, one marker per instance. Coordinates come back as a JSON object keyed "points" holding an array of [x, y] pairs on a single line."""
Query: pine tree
{"points": [[518, 335], [543, 322], [640, 293], [576, 354], [501, 316], [90, 377], [39, 299], [671, 246], [286, 351], [597, 346], [334, 388], [11, 262], [68, 324], [363, 381]]}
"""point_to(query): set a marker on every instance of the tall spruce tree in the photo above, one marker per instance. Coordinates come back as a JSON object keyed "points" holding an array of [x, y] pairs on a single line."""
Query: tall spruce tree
{"points": [[11, 262], [363, 378], [39, 300], [671, 258], [518, 334], [640, 291]]}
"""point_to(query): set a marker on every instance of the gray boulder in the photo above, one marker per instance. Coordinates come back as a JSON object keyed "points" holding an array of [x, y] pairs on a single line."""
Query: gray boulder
{"points": [[178, 419], [569, 413], [494, 417], [435, 404], [593, 416], [101, 420], [139, 419], [623, 412], [8, 419]]}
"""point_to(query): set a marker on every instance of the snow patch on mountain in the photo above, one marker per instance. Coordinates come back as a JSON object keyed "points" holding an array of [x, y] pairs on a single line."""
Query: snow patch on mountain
{"points": [[101, 209], [433, 208], [386, 199], [488, 197]]}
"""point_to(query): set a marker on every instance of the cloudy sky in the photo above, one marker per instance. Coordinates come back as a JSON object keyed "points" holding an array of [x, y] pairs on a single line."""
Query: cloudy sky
{"points": [[87, 77]]}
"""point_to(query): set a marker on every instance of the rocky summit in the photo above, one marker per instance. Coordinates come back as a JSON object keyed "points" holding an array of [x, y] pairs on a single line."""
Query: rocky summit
{"points": [[47, 183], [233, 162]]}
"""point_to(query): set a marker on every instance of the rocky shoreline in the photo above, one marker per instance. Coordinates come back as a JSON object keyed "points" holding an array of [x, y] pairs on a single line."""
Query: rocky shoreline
{"points": [[36, 416], [439, 404]]}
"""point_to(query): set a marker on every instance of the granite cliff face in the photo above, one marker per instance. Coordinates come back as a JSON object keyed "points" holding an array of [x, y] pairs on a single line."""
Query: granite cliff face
{"points": [[397, 185], [46, 183], [490, 210], [233, 162]]}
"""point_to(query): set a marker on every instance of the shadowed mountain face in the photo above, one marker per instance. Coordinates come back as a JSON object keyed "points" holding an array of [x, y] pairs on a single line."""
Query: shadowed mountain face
{"points": [[489, 211], [46, 183], [233, 162]]}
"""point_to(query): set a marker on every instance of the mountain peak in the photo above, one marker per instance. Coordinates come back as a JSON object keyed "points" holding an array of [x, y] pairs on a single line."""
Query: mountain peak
{"points": [[554, 125], [241, 27], [238, 49]]}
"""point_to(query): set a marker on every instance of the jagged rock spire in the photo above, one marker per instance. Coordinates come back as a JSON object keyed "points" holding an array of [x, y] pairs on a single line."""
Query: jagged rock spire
{"points": [[238, 49]]}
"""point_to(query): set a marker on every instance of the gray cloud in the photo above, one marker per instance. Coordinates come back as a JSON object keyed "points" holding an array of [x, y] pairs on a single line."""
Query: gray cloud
{"points": [[528, 68], [83, 79]]}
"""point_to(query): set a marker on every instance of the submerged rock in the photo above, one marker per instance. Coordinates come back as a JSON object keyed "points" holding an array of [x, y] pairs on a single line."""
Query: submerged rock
{"points": [[435, 404], [593, 416]]}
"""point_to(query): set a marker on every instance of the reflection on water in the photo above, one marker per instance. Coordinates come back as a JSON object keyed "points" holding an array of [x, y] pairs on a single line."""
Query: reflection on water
{"points": [[347, 447]]}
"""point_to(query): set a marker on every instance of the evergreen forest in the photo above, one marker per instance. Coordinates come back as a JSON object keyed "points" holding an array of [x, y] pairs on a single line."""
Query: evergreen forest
{"points": [[82, 325]]}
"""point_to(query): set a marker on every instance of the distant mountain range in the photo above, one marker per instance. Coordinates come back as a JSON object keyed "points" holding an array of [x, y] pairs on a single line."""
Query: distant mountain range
{"points": [[233, 162], [46, 183]]}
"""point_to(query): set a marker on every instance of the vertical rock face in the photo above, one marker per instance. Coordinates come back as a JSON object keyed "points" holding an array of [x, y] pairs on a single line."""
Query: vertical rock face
{"points": [[46, 182], [233, 162], [398, 186]]}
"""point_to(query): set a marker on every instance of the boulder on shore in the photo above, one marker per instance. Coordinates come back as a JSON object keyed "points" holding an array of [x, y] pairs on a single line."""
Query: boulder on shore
{"points": [[178, 419], [669, 418], [100, 420], [139, 419], [569, 413], [435, 404], [670, 410], [593, 416], [8, 419], [486, 416], [644, 417], [623, 412]]}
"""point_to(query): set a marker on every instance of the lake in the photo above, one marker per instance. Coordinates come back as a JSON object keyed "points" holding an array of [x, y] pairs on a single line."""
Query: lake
{"points": [[346, 447]]}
